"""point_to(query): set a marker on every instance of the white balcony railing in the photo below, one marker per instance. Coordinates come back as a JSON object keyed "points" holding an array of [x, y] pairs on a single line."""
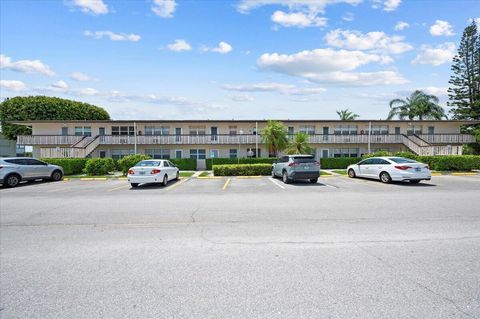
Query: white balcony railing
{"points": [[448, 138], [48, 139]]}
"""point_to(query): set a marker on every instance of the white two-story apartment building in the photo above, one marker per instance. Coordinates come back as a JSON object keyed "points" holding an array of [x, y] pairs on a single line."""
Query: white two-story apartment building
{"points": [[201, 139]]}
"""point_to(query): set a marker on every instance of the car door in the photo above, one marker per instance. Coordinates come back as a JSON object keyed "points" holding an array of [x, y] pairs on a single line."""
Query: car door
{"points": [[378, 166], [280, 164], [365, 167], [37, 168], [174, 168]]}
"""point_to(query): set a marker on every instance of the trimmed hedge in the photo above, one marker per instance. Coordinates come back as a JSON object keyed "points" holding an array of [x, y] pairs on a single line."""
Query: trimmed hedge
{"points": [[224, 161], [128, 161], [338, 162], [451, 162], [99, 166], [242, 169], [70, 165], [186, 164]]}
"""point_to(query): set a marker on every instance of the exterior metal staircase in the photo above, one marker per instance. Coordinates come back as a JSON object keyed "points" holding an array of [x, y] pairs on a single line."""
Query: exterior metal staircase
{"points": [[420, 146], [80, 149]]}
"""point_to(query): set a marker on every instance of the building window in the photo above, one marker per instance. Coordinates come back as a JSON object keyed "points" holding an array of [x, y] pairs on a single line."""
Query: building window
{"points": [[198, 153], [232, 130], [378, 129], [118, 154], [123, 130], [197, 130], [158, 153], [233, 153], [178, 154], [345, 130], [307, 129], [83, 131], [157, 130], [214, 153], [345, 152], [414, 130]]}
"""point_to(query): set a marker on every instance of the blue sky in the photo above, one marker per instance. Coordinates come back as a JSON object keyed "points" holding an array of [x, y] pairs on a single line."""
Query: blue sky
{"points": [[242, 59]]}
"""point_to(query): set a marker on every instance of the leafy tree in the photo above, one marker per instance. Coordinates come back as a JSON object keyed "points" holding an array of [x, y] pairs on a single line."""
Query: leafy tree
{"points": [[299, 144], [418, 105], [33, 108], [274, 135], [464, 93], [347, 115]]}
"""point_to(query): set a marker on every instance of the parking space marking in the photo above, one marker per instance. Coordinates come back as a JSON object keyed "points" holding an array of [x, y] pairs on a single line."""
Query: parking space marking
{"points": [[331, 186], [226, 184], [118, 187], [276, 183], [177, 183]]}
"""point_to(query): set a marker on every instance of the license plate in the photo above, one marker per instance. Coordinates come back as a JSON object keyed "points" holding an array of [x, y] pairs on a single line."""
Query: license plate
{"points": [[305, 167], [418, 169], [142, 173]]}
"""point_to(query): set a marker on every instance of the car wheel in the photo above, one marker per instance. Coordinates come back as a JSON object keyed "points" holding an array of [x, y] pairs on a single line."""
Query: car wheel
{"points": [[351, 173], [414, 182], [285, 178], [313, 180], [385, 177], [12, 180], [177, 176], [273, 174], [56, 176], [134, 185], [165, 180]]}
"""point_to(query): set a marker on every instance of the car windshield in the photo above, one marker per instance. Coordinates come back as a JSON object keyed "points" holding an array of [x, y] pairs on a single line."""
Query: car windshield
{"points": [[401, 160], [304, 159], [148, 163]]}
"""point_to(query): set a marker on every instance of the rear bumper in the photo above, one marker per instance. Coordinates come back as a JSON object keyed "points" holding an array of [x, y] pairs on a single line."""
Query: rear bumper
{"points": [[305, 175], [412, 177], [145, 179]]}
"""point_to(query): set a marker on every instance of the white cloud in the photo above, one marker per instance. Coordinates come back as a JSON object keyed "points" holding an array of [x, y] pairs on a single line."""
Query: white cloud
{"points": [[245, 6], [25, 66], [438, 55], [298, 19], [94, 7], [179, 45], [282, 88], [477, 20], [440, 28], [375, 41], [164, 8], [330, 66], [434, 90], [242, 98], [113, 36], [348, 17], [79, 76], [401, 25], [387, 5], [223, 48], [60, 85], [12, 85]]}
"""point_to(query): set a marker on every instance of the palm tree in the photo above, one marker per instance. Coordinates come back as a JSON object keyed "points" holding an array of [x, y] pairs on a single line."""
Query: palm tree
{"points": [[274, 135], [299, 144], [418, 105], [347, 115]]}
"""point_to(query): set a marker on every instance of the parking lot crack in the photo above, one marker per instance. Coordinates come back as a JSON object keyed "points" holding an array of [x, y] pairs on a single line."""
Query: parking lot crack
{"points": [[192, 216]]}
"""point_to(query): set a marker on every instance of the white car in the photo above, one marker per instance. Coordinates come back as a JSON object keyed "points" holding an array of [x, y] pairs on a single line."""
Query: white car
{"points": [[388, 169], [152, 171]]}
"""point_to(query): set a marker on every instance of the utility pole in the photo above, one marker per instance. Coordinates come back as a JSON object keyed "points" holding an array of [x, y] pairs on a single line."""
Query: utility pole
{"points": [[256, 139], [369, 134], [135, 136]]}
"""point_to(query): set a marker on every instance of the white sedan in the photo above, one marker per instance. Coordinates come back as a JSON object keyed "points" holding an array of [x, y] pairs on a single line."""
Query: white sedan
{"points": [[388, 169], [152, 171]]}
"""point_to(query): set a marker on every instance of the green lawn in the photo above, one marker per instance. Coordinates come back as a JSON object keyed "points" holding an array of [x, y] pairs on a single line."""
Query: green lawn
{"points": [[204, 174], [186, 174], [340, 171], [325, 173]]}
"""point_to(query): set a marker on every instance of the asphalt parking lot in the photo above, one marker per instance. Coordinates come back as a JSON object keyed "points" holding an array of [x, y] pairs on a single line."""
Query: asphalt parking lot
{"points": [[241, 248]]}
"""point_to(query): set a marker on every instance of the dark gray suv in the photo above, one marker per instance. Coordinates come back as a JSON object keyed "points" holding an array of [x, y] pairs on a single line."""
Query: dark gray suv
{"points": [[13, 170], [294, 167]]}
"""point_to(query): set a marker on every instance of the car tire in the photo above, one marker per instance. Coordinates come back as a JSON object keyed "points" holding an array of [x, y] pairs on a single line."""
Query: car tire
{"points": [[285, 178], [134, 185], [273, 174], [313, 180], [165, 180], [177, 176], [385, 178], [351, 173], [414, 182], [56, 176], [12, 180]]}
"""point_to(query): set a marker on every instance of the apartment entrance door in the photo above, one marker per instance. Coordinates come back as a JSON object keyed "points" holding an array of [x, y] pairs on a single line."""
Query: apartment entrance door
{"points": [[214, 133]]}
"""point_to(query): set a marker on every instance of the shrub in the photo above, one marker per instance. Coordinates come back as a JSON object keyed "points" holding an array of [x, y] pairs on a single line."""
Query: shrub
{"points": [[187, 164], [242, 169], [406, 155], [221, 161], [377, 154], [128, 161], [70, 165], [338, 162], [451, 162], [99, 166]]}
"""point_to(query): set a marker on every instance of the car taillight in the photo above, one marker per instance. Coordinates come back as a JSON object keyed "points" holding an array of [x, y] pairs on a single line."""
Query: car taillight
{"points": [[155, 171], [317, 163], [293, 164], [427, 167], [131, 172], [403, 168]]}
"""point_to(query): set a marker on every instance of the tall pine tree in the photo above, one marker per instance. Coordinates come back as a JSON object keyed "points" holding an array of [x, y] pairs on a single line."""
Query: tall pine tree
{"points": [[464, 92]]}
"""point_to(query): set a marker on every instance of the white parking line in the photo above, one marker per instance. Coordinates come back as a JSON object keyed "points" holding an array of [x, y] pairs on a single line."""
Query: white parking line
{"points": [[331, 186], [276, 183]]}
